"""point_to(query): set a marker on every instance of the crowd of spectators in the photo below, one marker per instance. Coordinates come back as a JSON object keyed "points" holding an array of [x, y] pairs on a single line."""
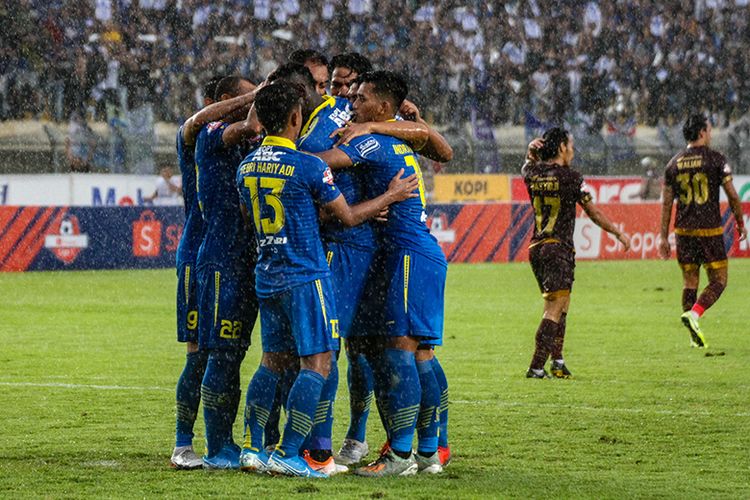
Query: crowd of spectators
{"points": [[595, 61]]}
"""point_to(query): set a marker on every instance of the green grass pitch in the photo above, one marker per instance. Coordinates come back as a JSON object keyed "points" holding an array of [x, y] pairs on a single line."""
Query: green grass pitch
{"points": [[89, 362]]}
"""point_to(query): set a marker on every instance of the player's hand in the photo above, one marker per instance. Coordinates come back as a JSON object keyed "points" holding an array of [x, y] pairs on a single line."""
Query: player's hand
{"points": [[350, 131], [409, 111], [382, 215], [625, 240], [664, 249], [402, 188], [532, 153], [743, 233]]}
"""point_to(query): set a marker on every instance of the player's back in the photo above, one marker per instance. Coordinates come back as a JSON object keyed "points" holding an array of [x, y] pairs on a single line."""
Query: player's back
{"points": [[382, 157], [283, 189], [695, 176], [192, 231], [315, 137], [554, 191], [225, 241]]}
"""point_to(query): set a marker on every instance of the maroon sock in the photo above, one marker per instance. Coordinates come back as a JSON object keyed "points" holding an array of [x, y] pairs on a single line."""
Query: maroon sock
{"points": [[711, 294], [545, 337], [689, 296], [557, 345]]}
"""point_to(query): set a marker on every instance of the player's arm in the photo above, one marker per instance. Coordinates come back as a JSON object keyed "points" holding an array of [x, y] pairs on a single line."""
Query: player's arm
{"points": [[212, 113], [335, 158], [436, 148], [601, 220], [399, 189], [736, 206], [245, 129], [666, 216], [413, 133]]}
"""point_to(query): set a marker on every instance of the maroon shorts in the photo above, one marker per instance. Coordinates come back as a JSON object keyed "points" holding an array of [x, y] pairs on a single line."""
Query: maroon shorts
{"points": [[692, 251], [553, 265]]}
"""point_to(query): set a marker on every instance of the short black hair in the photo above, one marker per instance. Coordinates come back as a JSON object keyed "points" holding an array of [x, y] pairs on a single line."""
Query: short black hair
{"points": [[691, 130], [355, 61], [228, 85], [274, 103], [302, 56], [389, 85], [553, 138], [209, 88], [294, 72]]}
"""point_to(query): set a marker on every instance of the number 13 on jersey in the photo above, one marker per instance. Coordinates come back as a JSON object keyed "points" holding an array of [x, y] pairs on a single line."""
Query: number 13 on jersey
{"points": [[272, 199]]}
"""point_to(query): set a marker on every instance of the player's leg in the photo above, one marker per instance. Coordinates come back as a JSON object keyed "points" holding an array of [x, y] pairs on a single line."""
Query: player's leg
{"points": [[558, 369], [272, 432], [428, 422], [360, 382], [188, 390], [443, 447]]}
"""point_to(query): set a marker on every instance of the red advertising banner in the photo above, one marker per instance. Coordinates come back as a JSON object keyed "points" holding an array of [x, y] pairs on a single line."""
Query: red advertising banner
{"points": [[602, 189]]}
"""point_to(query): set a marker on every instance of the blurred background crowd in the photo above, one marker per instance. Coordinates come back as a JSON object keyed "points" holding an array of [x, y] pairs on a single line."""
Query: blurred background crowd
{"points": [[602, 65]]}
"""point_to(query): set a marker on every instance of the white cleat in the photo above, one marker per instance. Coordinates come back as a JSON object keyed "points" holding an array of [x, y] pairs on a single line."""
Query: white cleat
{"points": [[352, 452], [429, 465], [184, 458]]}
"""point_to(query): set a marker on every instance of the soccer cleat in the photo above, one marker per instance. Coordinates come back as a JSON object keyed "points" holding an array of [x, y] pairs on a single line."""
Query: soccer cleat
{"points": [[559, 370], [227, 458], [532, 374], [696, 335], [444, 452], [253, 461], [430, 464], [389, 464], [328, 467], [184, 458], [292, 466], [352, 452], [385, 448]]}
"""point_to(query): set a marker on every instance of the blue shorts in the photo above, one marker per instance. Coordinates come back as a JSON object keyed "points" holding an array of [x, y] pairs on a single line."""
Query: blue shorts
{"points": [[416, 295], [301, 320], [227, 308], [187, 303], [349, 271], [369, 319]]}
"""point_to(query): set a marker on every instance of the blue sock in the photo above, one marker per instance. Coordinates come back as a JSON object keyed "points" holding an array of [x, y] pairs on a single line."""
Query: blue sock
{"points": [[301, 407], [427, 423], [361, 382], [261, 392], [443, 383], [282, 395], [217, 394], [403, 398], [381, 385], [188, 396], [236, 395], [320, 435]]}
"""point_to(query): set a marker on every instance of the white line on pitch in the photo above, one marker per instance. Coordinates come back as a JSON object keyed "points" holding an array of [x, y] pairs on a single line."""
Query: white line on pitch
{"points": [[85, 386]]}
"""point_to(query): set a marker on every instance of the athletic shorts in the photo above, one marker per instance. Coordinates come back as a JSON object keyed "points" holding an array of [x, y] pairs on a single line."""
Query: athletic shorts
{"points": [[187, 303], [349, 271], [415, 296], [301, 320], [369, 319], [694, 251], [227, 308], [553, 265]]}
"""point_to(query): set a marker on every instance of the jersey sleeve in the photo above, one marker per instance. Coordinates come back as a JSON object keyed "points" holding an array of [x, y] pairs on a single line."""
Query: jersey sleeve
{"points": [[725, 171], [321, 183], [583, 192], [363, 149], [212, 137]]}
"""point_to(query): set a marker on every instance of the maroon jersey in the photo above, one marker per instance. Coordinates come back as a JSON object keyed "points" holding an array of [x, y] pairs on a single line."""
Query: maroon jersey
{"points": [[695, 176], [554, 191]]}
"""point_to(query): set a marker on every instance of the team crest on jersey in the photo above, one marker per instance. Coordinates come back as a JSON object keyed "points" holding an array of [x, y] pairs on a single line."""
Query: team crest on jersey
{"points": [[727, 169], [369, 146], [328, 176], [213, 126]]}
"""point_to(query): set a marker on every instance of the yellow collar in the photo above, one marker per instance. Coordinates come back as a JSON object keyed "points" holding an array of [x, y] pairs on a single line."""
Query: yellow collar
{"points": [[275, 140], [328, 101]]}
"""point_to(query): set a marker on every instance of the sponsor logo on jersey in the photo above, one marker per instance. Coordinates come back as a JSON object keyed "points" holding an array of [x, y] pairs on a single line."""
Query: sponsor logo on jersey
{"points": [[366, 147]]}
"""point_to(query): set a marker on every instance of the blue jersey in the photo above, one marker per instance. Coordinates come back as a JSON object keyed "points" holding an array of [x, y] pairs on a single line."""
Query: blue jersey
{"points": [[226, 243], [283, 189], [192, 231], [383, 156], [315, 138]]}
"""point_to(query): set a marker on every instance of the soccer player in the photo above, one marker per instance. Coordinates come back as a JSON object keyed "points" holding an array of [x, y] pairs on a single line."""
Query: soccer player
{"points": [[554, 190], [227, 307], [694, 177], [188, 385], [317, 63], [345, 68], [281, 189], [415, 272]]}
